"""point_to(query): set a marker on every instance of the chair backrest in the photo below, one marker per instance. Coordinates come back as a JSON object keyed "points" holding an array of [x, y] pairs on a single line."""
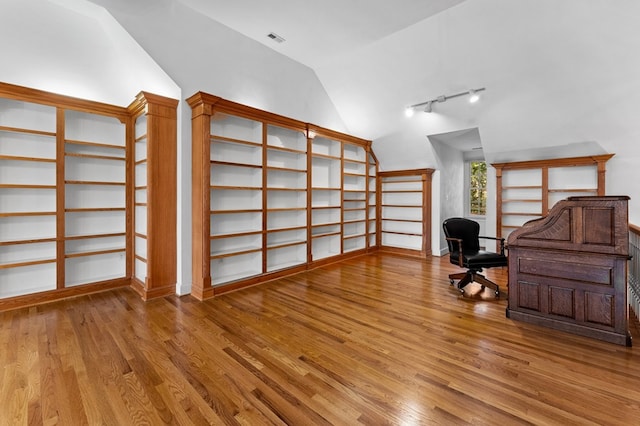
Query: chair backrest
{"points": [[465, 229]]}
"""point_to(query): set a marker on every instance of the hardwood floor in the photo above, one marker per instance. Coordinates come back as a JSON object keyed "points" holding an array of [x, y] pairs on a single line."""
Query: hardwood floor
{"points": [[379, 339]]}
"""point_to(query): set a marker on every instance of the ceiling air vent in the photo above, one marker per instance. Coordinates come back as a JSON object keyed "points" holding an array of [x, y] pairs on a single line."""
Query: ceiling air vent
{"points": [[275, 37]]}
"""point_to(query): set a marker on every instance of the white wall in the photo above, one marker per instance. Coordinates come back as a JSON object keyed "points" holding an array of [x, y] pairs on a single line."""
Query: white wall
{"points": [[557, 73], [451, 201], [75, 48]]}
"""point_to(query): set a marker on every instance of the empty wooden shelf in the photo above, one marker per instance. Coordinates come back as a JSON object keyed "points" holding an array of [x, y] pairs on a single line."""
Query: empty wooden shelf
{"points": [[405, 211], [68, 181], [527, 190], [273, 196]]}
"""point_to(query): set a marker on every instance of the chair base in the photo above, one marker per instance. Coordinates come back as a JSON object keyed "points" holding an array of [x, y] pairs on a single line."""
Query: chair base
{"points": [[473, 276]]}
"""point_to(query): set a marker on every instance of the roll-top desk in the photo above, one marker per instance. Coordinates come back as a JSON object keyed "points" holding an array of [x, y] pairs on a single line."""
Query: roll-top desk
{"points": [[568, 270]]}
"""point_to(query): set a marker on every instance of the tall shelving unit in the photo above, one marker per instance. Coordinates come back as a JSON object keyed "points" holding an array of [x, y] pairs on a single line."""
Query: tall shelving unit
{"points": [[236, 155], [405, 211], [286, 197], [66, 207], [354, 197], [29, 193], [326, 194], [527, 190], [95, 210], [272, 196], [140, 198], [154, 193], [372, 203], [343, 168]]}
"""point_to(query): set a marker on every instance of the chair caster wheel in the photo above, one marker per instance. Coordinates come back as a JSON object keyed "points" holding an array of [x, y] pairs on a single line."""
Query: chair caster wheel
{"points": [[461, 290], [451, 282]]}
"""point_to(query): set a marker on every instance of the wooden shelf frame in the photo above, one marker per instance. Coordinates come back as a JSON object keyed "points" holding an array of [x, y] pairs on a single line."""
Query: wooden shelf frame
{"points": [[70, 145], [422, 178], [543, 167], [161, 130], [285, 152]]}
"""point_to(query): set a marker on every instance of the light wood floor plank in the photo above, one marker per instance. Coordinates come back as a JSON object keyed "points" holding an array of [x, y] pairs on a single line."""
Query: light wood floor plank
{"points": [[379, 339]]}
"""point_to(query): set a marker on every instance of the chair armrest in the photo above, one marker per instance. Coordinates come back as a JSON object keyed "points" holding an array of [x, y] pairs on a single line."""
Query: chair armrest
{"points": [[460, 257], [497, 239]]}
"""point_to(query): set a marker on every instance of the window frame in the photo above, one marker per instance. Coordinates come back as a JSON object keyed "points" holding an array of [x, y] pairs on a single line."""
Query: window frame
{"points": [[468, 187]]}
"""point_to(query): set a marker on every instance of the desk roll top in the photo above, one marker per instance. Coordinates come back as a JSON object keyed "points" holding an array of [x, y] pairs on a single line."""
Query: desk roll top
{"points": [[568, 270]]}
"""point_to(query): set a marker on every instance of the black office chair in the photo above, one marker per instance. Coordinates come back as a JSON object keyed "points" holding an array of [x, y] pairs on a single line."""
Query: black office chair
{"points": [[463, 238]]}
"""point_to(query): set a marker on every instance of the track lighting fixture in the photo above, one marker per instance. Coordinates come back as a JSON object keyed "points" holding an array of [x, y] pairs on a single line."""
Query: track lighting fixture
{"points": [[428, 105], [473, 96]]}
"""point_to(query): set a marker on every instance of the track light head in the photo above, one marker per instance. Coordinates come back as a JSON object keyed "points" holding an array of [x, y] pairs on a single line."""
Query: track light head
{"points": [[473, 96], [428, 105]]}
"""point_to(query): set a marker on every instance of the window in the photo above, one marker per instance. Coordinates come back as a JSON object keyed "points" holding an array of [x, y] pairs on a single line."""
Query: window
{"points": [[478, 187]]}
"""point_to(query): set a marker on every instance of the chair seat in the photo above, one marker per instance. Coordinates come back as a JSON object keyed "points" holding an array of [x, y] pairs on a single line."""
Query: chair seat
{"points": [[481, 259]]}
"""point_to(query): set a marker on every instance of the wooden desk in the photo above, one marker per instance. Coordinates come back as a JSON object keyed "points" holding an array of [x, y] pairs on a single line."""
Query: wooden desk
{"points": [[568, 270]]}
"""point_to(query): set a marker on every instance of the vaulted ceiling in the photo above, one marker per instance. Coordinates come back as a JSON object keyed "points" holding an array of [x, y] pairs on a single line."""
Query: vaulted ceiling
{"points": [[544, 63], [317, 32], [347, 44], [557, 74]]}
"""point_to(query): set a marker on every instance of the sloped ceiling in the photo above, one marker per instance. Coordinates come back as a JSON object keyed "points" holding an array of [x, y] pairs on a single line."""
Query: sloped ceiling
{"points": [[557, 73], [317, 32], [75, 48]]}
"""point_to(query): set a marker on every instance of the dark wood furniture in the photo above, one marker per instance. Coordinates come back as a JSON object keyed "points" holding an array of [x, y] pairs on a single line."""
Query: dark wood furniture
{"points": [[568, 270]]}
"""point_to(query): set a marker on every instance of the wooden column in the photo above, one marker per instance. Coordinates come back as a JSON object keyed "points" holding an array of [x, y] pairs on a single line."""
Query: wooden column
{"points": [[498, 201], [201, 195], [426, 212], [161, 194], [602, 172]]}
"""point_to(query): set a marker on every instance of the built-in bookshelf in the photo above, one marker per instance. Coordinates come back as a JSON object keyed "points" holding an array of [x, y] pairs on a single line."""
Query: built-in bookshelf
{"points": [[326, 198], [28, 197], [95, 208], [236, 197], [341, 169], [286, 197], [405, 211], [527, 190], [66, 203], [272, 196], [372, 197], [154, 194], [140, 197], [354, 197]]}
